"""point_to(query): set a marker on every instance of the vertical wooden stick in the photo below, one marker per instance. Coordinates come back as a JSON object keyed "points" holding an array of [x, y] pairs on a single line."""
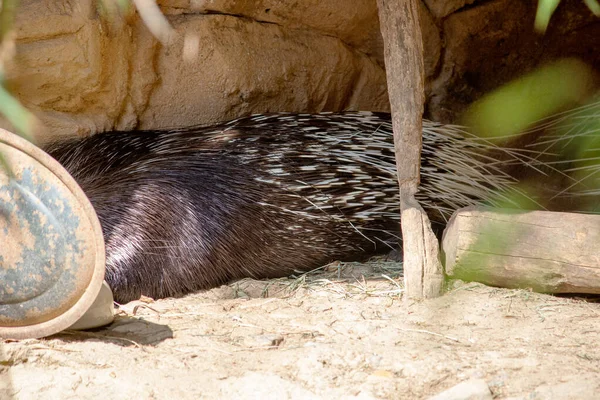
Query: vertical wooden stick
{"points": [[399, 19]]}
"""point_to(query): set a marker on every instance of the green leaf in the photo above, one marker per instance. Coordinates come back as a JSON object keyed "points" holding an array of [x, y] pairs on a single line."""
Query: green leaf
{"points": [[16, 114], [544, 12], [593, 6], [513, 107]]}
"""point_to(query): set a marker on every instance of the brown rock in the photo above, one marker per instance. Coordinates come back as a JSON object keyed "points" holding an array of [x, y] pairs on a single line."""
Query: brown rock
{"points": [[473, 389], [443, 8], [81, 73], [432, 44], [355, 23], [61, 69], [243, 67]]}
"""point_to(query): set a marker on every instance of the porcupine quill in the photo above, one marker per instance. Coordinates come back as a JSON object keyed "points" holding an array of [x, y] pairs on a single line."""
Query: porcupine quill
{"points": [[263, 196]]}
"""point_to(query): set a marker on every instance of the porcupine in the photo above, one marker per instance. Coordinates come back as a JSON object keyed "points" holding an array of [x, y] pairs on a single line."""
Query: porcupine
{"points": [[263, 196]]}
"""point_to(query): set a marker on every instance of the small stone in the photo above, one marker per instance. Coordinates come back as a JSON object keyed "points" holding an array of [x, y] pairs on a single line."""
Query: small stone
{"points": [[146, 299], [474, 389], [266, 341], [382, 373]]}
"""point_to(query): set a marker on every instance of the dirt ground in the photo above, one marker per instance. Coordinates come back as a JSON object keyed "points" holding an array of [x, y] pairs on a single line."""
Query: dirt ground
{"points": [[327, 335]]}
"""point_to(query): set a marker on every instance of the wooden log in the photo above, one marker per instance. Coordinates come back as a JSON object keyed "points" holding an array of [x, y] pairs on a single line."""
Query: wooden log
{"points": [[549, 252], [403, 50]]}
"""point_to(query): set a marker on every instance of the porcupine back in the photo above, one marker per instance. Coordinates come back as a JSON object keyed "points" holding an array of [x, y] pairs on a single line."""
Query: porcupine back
{"points": [[263, 196]]}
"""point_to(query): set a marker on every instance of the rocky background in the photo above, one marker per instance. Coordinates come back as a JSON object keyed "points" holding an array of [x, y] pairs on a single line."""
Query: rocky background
{"points": [[81, 73]]}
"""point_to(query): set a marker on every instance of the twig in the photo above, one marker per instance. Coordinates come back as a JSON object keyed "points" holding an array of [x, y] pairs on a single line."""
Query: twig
{"points": [[430, 333]]}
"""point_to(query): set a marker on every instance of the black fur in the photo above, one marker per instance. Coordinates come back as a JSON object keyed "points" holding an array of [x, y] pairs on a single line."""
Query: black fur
{"points": [[263, 196], [185, 210]]}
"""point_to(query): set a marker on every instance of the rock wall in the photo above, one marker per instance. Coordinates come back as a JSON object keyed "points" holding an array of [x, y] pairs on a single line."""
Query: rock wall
{"points": [[81, 73]]}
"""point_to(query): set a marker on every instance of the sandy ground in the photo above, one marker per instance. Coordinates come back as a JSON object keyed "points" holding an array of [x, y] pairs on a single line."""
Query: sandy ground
{"points": [[332, 335]]}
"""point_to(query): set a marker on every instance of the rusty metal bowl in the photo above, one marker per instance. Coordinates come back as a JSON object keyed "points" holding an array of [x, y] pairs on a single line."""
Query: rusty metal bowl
{"points": [[51, 245]]}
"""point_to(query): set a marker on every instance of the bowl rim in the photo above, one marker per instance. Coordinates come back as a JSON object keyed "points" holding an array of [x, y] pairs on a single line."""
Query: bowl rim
{"points": [[76, 311]]}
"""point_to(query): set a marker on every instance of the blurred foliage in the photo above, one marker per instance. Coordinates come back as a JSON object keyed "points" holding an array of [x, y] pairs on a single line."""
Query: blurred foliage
{"points": [[563, 143], [576, 138], [112, 8], [513, 107], [544, 12], [22, 120], [7, 12], [547, 7], [521, 197], [115, 11]]}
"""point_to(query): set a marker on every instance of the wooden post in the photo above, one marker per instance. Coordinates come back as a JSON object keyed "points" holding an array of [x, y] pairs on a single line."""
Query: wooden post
{"points": [[399, 20]]}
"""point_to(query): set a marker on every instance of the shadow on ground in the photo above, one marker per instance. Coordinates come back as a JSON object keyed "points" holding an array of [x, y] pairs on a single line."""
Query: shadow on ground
{"points": [[124, 331]]}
